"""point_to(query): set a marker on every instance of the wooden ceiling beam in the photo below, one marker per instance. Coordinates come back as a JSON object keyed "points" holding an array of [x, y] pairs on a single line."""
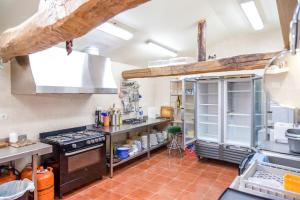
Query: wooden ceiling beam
{"points": [[235, 63], [202, 40], [58, 21], [286, 9]]}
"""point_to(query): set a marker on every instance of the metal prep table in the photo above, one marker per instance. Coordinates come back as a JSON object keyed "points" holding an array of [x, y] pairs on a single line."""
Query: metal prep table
{"points": [[112, 131], [9, 153]]}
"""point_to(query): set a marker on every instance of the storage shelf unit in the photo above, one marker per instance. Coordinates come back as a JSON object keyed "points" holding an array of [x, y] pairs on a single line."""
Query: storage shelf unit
{"points": [[227, 116], [175, 95]]}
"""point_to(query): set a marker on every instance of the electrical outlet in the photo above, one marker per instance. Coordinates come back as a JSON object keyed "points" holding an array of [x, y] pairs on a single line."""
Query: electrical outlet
{"points": [[3, 116]]}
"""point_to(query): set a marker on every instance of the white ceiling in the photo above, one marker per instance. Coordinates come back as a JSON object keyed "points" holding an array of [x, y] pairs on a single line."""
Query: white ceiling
{"points": [[172, 23]]}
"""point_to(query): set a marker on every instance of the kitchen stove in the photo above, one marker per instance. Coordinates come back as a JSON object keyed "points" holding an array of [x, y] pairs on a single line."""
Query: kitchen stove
{"points": [[78, 157], [134, 121]]}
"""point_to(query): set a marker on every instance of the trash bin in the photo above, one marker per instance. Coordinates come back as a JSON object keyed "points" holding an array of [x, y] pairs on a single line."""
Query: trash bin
{"points": [[16, 190]]}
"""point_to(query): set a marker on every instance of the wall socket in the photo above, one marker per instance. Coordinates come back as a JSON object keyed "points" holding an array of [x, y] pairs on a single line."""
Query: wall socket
{"points": [[3, 116]]}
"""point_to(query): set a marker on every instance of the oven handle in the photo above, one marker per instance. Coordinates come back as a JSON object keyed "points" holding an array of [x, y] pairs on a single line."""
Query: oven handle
{"points": [[83, 150]]}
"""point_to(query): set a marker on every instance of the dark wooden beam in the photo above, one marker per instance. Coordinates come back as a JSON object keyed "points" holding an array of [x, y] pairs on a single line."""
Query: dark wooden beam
{"points": [[285, 11], [202, 40], [59, 21], [236, 63]]}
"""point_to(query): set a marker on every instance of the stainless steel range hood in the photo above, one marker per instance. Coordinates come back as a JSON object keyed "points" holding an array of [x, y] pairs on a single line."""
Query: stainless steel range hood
{"points": [[52, 71]]}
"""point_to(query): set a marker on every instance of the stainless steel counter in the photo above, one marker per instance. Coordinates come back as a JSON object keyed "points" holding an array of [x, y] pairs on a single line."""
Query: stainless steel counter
{"points": [[11, 153], [125, 128], [277, 148]]}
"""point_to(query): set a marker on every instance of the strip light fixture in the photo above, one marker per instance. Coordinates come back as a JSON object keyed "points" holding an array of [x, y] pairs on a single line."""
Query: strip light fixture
{"points": [[114, 30], [252, 14], [161, 48]]}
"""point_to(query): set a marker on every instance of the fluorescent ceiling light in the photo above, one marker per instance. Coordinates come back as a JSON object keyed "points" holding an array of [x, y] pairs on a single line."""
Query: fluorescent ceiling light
{"points": [[114, 30], [252, 14], [161, 49]]}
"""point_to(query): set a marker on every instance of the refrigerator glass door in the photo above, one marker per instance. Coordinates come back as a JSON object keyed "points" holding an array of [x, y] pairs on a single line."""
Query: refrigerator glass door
{"points": [[237, 112], [189, 111], [259, 122], [208, 110]]}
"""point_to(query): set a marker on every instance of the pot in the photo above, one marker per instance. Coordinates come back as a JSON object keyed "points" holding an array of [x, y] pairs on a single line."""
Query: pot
{"points": [[123, 152], [293, 136]]}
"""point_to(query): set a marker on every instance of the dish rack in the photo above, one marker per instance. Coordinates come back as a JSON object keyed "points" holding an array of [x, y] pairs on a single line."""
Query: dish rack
{"points": [[266, 180]]}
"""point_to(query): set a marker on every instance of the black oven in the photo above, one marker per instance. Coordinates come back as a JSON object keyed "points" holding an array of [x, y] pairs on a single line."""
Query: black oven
{"points": [[75, 163], [77, 168]]}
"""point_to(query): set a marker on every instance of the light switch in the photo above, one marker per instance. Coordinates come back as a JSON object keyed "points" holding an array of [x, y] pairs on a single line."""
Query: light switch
{"points": [[3, 116]]}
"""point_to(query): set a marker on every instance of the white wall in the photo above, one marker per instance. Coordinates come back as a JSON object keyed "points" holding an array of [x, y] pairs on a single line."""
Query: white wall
{"points": [[255, 42], [32, 114]]}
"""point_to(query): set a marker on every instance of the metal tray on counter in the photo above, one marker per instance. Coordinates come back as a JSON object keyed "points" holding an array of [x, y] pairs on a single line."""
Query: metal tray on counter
{"points": [[266, 180]]}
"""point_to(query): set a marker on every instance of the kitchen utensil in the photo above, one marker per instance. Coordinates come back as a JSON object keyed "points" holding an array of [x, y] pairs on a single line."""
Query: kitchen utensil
{"points": [[293, 136], [144, 141], [153, 139], [106, 121], [123, 152], [13, 137]]}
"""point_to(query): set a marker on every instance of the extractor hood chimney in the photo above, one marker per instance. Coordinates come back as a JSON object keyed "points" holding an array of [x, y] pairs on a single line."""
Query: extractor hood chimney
{"points": [[52, 71]]}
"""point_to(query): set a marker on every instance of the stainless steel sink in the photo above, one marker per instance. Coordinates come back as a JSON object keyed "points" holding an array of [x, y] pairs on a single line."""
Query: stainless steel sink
{"points": [[285, 160]]}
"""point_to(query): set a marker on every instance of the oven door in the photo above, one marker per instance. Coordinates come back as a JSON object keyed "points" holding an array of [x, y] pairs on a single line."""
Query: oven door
{"points": [[80, 167]]}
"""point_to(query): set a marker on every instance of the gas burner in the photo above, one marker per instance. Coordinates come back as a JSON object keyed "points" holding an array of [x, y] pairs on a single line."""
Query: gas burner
{"points": [[58, 139], [91, 133], [75, 136], [134, 121]]}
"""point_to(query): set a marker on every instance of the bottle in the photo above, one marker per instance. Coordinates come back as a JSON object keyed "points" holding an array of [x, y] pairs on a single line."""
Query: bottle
{"points": [[97, 121], [178, 102], [121, 119]]}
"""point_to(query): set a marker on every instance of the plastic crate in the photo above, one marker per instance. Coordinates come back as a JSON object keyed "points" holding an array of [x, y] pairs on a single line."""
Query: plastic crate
{"points": [[266, 180]]}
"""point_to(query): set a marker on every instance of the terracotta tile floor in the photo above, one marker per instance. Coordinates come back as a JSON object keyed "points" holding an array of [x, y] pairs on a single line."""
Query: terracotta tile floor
{"points": [[162, 177]]}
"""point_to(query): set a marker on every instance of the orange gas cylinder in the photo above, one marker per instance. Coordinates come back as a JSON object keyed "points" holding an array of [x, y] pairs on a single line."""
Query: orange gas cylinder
{"points": [[45, 181], [10, 176]]}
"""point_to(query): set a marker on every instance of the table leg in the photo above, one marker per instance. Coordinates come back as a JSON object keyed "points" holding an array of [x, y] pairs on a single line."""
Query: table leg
{"points": [[111, 160], [148, 142], [34, 177]]}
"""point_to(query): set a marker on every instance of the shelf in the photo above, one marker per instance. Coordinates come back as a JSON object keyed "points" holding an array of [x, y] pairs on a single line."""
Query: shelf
{"points": [[207, 94], [177, 122], [237, 126], [176, 94], [209, 115], [208, 123], [208, 104], [140, 153], [130, 157], [207, 139], [236, 143], [239, 91], [159, 145], [239, 114], [189, 122]]}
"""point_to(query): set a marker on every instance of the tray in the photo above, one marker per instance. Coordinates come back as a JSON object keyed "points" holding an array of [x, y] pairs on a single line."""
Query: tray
{"points": [[266, 180]]}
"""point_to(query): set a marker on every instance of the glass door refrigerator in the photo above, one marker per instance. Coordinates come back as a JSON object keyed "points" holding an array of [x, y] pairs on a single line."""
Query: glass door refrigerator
{"points": [[189, 100], [209, 117], [242, 117], [208, 110]]}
